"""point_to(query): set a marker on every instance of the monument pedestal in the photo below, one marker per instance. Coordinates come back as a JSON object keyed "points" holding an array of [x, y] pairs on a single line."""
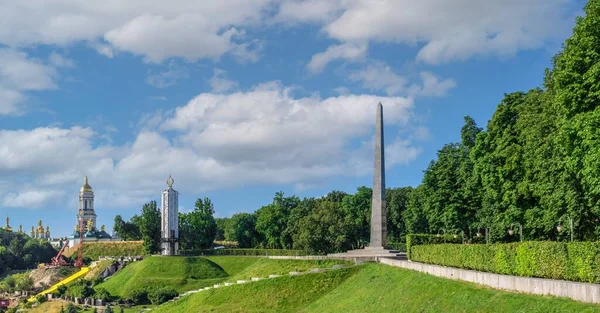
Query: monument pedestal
{"points": [[369, 254]]}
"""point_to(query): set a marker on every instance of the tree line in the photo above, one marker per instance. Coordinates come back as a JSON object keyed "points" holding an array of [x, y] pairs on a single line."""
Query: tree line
{"points": [[197, 229], [536, 165]]}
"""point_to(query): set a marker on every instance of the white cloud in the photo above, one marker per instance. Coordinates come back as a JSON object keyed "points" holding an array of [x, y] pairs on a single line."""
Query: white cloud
{"points": [[168, 77], [219, 83], [448, 30], [20, 73], [378, 76], [219, 141], [32, 198], [58, 60], [154, 29], [158, 30], [302, 11], [10, 101], [347, 51], [433, 86]]}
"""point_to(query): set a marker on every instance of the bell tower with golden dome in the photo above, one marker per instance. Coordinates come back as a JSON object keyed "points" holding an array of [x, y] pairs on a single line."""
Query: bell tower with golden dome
{"points": [[86, 204]]}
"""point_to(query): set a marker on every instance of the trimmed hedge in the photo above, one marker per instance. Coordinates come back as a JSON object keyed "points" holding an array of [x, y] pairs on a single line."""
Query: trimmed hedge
{"points": [[427, 239], [577, 261], [248, 252]]}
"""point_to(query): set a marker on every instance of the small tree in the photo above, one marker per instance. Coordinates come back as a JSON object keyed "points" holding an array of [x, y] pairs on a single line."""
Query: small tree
{"points": [[108, 310]]}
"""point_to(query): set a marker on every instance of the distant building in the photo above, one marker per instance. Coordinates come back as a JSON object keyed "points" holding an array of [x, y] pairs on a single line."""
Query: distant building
{"points": [[87, 214], [169, 224]]}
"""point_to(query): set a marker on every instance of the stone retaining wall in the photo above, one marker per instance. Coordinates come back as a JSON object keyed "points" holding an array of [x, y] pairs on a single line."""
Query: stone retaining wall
{"points": [[583, 292]]}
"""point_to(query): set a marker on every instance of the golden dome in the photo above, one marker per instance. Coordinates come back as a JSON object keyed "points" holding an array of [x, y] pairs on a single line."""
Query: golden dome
{"points": [[86, 187]]}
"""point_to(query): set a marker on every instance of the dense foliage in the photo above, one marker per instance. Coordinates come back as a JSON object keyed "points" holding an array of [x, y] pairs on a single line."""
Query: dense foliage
{"points": [[241, 251], [336, 222], [576, 261], [16, 282], [19, 251], [197, 229]]}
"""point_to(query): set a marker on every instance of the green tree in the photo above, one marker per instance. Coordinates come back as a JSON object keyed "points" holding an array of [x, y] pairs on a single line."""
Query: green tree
{"points": [[325, 230], [242, 228], [222, 224], [197, 229], [397, 201], [272, 221], [357, 212], [150, 227]]}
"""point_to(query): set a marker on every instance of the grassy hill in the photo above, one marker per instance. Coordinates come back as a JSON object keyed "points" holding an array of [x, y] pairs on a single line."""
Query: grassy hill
{"points": [[93, 250], [367, 288], [187, 273], [181, 273]]}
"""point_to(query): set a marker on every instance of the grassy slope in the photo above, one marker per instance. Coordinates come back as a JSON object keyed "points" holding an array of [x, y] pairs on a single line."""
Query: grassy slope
{"points": [[368, 288], [181, 273], [187, 273], [99, 268], [285, 294], [94, 250], [246, 267]]}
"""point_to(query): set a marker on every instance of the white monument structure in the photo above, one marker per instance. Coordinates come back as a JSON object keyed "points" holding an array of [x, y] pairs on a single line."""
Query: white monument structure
{"points": [[169, 224]]}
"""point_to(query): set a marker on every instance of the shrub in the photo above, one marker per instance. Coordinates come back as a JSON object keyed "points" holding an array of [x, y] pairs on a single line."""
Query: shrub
{"points": [[428, 239], [248, 252], [578, 261], [40, 299], [138, 296], [80, 289], [161, 295], [102, 294], [61, 290]]}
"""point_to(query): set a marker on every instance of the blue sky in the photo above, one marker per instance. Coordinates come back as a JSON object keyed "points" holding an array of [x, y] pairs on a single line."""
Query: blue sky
{"points": [[240, 99]]}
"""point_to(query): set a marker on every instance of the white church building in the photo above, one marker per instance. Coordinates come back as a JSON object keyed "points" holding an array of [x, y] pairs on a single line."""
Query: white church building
{"points": [[87, 214]]}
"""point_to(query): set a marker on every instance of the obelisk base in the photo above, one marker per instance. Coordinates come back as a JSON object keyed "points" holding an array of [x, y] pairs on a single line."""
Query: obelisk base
{"points": [[369, 254]]}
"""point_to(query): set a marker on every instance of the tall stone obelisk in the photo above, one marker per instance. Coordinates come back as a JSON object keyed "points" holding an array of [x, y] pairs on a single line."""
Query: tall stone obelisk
{"points": [[377, 245], [378, 208]]}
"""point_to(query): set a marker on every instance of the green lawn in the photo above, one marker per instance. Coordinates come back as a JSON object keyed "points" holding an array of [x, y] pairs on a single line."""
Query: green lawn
{"points": [[181, 273], [188, 273], [367, 288]]}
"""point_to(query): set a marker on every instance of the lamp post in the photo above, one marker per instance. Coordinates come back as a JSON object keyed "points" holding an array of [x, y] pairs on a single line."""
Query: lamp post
{"points": [[443, 232], [511, 231], [560, 227]]}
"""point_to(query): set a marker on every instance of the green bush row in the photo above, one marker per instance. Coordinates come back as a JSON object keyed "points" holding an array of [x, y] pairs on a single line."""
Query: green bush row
{"points": [[152, 294], [253, 252], [576, 261], [427, 239]]}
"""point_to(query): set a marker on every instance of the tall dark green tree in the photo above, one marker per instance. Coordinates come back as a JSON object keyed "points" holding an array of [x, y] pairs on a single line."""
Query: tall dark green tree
{"points": [[272, 221], [357, 212], [197, 229], [397, 201], [150, 227], [242, 228]]}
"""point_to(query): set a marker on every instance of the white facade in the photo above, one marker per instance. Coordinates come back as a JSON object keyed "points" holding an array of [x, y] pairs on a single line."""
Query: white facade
{"points": [[169, 224], [86, 204]]}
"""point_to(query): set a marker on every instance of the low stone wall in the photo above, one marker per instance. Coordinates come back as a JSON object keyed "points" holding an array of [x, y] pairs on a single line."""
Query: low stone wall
{"points": [[306, 257], [589, 293]]}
